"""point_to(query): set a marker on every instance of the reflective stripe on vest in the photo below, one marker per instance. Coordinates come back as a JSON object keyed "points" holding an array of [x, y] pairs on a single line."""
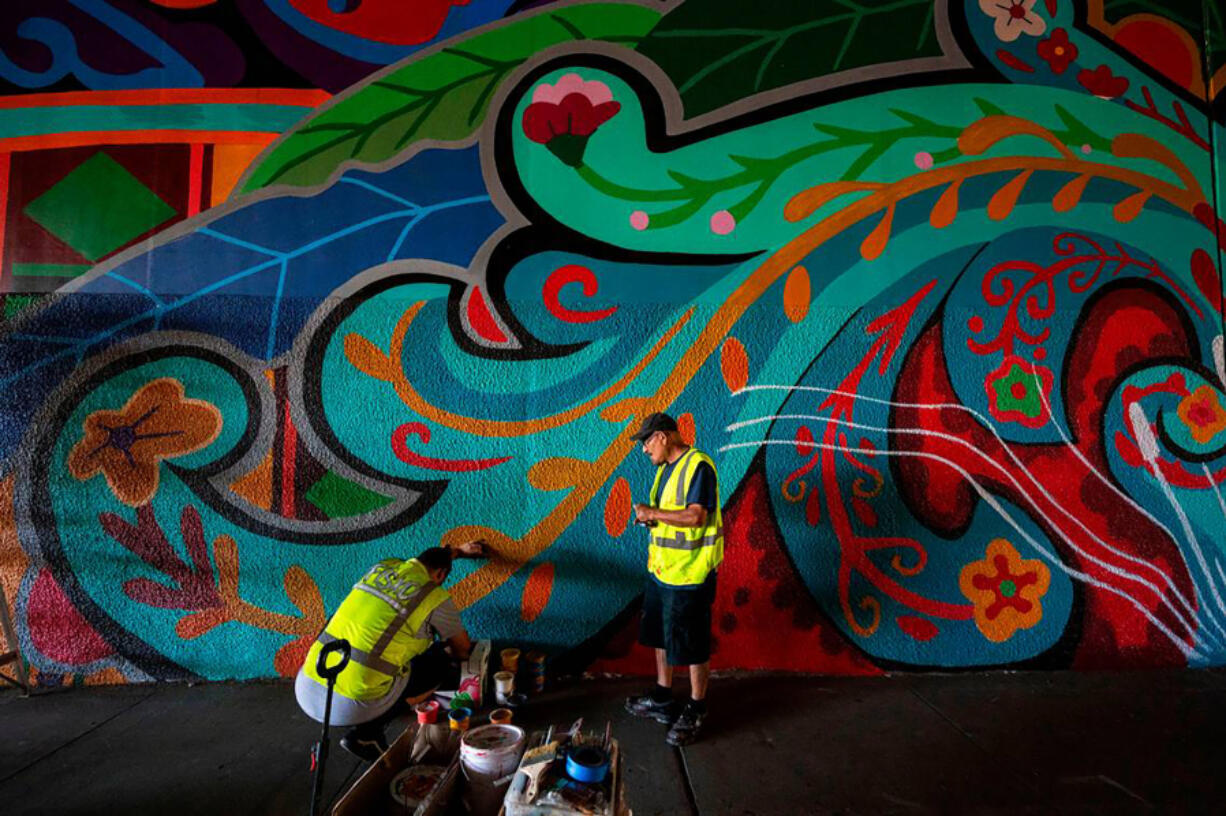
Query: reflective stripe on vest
{"points": [[684, 556], [374, 617]]}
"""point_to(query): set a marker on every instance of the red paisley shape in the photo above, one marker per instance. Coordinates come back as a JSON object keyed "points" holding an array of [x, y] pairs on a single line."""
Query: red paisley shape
{"points": [[1117, 329], [400, 447], [481, 320], [916, 628], [563, 276]]}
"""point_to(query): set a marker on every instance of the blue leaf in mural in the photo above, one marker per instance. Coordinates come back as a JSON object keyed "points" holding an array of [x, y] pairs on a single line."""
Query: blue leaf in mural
{"points": [[273, 260]]}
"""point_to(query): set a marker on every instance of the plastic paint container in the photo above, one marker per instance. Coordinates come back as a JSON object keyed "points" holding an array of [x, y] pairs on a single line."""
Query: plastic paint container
{"points": [[504, 685], [500, 716], [492, 750], [510, 660], [427, 712], [459, 718], [487, 755]]}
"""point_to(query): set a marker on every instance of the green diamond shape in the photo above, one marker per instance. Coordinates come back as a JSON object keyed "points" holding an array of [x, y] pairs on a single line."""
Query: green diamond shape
{"points": [[338, 497], [98, 207]]}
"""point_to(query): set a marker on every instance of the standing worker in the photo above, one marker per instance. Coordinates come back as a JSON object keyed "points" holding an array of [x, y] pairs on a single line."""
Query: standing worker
{"points": [[391, 618], [687, 546]]}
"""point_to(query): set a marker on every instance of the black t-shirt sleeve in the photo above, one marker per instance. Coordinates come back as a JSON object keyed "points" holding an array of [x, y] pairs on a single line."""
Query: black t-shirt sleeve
{"points": [[702, 488]]}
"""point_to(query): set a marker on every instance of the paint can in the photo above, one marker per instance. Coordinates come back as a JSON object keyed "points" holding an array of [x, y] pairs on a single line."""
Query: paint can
{"points": [[536, 671], [489, 755], [510, 660], [504, 686], [500, 716], [427, 712], [459, 718]]}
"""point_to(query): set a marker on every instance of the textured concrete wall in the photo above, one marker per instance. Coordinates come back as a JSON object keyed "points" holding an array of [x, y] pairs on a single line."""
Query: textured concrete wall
{"points": [[294, 285]]}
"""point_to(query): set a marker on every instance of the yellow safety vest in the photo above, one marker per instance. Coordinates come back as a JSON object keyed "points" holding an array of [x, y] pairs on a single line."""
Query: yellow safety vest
{"points": [[384, 620], [684, 556]]}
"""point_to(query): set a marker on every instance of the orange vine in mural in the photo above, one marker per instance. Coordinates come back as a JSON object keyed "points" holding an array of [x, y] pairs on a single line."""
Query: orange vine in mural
{"points": [[211, 595], [583, 480], [977, 139]]}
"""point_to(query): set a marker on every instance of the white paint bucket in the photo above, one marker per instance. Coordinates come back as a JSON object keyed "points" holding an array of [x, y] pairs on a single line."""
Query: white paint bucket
{"points": [[489, 754]]}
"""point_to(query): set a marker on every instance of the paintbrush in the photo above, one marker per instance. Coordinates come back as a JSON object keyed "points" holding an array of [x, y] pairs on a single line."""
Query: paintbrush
{"points": [[535, 763]]}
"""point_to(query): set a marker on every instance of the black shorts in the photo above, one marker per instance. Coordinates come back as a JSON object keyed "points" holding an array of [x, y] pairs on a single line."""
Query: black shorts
{"points": [[678, 620]]}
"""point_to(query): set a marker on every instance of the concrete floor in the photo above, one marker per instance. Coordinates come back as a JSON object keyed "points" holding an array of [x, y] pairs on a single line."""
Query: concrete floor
{"points": [[1041, 743]]}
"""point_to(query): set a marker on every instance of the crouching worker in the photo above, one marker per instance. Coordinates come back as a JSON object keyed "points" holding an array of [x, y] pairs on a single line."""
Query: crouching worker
{"points": [[400, 624]]}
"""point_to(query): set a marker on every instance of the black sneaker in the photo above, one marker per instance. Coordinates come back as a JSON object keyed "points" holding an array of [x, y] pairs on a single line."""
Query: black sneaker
{"points": [[685, 728], [646, 705], [363, 747]]}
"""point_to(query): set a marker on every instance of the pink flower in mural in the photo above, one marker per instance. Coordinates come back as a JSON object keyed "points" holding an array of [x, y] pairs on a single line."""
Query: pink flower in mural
{"points": [[1102, 83], [1014, 395], [1006, 591], [563, 116], [127, 445], [1057, 51], [1013, 18], [1202, 412]]}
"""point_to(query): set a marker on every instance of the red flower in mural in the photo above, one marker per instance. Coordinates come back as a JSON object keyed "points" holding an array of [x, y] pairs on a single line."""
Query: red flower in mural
{"points": [[127, 445], [1057, 51], [1014, 395], [1202, 412], [1006, 591], [564, 116], [1102, 83]]}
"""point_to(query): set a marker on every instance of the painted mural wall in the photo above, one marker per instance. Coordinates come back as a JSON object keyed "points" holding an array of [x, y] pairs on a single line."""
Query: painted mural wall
{"points": [[290, 286]]}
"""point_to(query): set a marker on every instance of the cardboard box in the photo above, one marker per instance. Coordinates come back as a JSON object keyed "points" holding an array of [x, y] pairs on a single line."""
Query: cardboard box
{"points": [[371, 794]]}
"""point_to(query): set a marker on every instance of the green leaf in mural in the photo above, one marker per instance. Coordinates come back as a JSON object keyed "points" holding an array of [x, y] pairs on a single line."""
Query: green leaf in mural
{"points": [[719, 51], [442, 96]]}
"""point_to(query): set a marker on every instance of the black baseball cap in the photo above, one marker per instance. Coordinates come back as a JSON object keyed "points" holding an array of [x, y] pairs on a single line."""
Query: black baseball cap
{"points": [[655, 422]]}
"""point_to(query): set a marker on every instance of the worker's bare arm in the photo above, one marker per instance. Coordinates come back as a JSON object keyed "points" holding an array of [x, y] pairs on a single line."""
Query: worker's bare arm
{"points": [[694, 515]]}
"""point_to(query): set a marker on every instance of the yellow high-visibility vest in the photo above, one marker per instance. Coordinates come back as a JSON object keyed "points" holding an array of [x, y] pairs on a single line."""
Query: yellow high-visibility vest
{"points": [[684, 556], [384, 619]]}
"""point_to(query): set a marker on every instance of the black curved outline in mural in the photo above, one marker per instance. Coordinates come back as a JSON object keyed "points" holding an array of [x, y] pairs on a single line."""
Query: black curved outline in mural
{"points": [[1191, 337], [42, 520], [520, 244], [306, 380]]}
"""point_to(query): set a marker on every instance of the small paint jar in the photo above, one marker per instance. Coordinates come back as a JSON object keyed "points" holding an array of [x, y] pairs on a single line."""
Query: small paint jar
{"points": [[504, 686], [427, 712], [459, 718], [510, 660], [500, 716]]}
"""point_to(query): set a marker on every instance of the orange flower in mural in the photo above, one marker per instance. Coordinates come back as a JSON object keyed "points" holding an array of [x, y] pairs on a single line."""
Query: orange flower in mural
{"points": [[1005, 590], [158, 422], [1202, 412]]}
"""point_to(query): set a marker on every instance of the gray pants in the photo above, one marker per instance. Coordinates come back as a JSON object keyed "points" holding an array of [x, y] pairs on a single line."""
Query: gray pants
{"points": [[312, 696]]}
